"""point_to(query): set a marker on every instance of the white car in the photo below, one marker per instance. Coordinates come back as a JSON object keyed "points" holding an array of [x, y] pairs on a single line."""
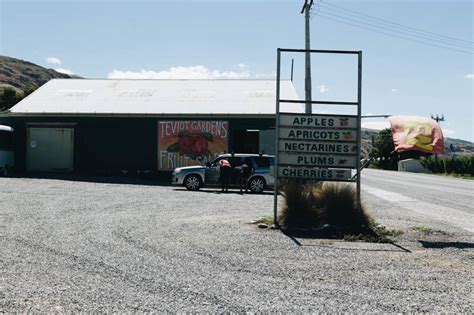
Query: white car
{"points": [[195, 177]]}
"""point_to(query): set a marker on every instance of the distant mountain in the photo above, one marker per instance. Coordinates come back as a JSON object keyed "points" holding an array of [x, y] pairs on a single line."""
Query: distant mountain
{"points": [[24, 76], [452, 147]]}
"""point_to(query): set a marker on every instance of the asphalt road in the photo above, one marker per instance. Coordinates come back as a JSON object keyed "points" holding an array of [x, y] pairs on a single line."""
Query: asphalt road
{"points": [[78, 246], [441, 201]]}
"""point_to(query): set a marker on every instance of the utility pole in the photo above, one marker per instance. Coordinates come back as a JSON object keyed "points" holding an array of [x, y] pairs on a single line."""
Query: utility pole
{"points": [[307, 84], [438, 118]]}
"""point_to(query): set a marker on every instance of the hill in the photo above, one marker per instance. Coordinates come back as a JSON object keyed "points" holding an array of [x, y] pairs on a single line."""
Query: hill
{"points": [[24, 76]]}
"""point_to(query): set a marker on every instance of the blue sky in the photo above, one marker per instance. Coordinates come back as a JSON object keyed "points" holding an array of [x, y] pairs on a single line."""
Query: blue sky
{"points": [[238, 39]]}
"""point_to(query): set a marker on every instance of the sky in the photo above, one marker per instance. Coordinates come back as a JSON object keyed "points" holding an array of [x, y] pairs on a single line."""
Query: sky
{"points": [[405, 71]]}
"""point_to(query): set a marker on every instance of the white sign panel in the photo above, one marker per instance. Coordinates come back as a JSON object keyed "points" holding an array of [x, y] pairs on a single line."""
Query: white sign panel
{"points": [[317, 147], [314, 173], [317, 134], [345, 161], [318, 121]]}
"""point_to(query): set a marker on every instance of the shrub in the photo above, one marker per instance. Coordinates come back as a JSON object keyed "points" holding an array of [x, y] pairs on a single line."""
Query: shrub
{"points": [[298, 211], [313, 206], [337, 206], [454, 165]]}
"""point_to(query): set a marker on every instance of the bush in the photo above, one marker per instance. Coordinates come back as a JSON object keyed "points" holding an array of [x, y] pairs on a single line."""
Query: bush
{"points": [[454, 165], [313, 206], [337, 206], [298, 211]]}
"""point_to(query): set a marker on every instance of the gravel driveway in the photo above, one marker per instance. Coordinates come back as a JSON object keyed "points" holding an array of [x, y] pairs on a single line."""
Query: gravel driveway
{"points": [[69, 246]]}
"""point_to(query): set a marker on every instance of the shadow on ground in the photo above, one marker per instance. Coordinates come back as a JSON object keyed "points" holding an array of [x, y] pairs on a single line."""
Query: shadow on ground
{"points": [[106, 179], [460, 245], [218, 191], [300, 238]]}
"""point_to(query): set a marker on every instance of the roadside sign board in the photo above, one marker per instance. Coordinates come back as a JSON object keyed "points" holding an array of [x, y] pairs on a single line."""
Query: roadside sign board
{"points": [[305, 159], [317, 134], [314, 173], [318, 121], [316, 147]]}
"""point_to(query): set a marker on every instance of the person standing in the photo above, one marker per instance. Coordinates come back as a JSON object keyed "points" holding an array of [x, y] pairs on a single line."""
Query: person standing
{"points": [[225, 169], [245, 172]]}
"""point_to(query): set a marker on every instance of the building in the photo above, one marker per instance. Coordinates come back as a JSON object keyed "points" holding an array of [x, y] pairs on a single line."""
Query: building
{"points": [[86, 126]]}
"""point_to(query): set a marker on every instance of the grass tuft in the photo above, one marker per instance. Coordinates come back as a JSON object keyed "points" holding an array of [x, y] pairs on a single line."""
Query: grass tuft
{"points": [[331, 207], [422, 228], [337, 206], [298, 211], [266, 219]]}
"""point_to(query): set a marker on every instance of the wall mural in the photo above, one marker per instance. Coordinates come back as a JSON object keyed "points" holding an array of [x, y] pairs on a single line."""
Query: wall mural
{"points": [[192, 142]]}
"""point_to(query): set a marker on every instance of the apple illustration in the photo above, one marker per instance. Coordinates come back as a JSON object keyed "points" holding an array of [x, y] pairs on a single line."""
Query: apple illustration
{"points": [[343, 122], [347, 135]]}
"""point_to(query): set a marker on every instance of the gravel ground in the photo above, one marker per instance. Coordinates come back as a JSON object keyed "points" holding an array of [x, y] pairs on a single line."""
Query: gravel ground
{"points": [[69, 246]]}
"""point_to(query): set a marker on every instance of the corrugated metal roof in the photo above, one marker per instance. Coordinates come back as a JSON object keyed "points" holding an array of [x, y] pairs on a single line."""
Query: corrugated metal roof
{"points": [[90, 96]]}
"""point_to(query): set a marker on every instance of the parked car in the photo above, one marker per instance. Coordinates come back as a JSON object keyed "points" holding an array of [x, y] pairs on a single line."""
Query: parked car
{"points": [[6, 149], [195, 177]]}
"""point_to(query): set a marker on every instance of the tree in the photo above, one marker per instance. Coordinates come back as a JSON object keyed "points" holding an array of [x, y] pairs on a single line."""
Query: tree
{"points": [[382, 149], [9, 98]]}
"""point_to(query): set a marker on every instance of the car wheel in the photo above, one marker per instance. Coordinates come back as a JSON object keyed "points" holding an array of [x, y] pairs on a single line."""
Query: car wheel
{"points": [[192, 182], [257, 184]]}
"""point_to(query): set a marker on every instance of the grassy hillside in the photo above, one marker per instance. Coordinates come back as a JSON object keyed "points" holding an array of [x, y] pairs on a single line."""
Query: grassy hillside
{"points": [[23, 75], [18, 78]]}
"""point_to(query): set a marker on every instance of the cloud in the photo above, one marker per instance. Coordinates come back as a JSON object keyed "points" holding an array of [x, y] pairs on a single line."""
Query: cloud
{"points": [[65, 71], [191, 72], [53, 61], [469, 76], [394, 90], [378, 125], [323, 88], [265, 75]]}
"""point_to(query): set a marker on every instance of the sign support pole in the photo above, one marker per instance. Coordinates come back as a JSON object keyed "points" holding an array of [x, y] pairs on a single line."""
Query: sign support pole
{"points": [[277, 124], [359, 122]]}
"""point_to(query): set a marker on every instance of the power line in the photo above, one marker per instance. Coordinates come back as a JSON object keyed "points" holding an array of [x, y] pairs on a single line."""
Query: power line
{"points": [[399, 31], [393, 35], [325, 4]]}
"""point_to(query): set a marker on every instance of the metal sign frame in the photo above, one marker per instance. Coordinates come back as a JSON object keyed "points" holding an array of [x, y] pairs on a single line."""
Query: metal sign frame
{"points": [[358, 103]]}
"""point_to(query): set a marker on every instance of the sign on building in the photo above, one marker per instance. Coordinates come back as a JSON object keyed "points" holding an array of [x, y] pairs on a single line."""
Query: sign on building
{"points": [[190, 142]]}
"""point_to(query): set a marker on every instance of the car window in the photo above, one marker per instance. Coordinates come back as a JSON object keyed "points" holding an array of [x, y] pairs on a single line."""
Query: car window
{"points": [[6, 140], [235, 161], [215, 162], [262, 161]]}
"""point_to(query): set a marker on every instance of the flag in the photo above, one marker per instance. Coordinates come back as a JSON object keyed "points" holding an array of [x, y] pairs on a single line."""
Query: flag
{"points": [[416, 133]]}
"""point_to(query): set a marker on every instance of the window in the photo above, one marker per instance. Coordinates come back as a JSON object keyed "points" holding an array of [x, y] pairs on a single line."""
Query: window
{"points": [[6, 140], [235, 161], [262, 161]]}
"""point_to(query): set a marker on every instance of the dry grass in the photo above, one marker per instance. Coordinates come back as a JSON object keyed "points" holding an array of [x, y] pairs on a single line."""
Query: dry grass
{"points": [[313, 206], [337, 206], [299, 211]]}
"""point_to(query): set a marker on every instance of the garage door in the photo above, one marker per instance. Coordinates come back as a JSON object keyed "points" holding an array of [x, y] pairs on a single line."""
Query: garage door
{"points": [[50, 149]]}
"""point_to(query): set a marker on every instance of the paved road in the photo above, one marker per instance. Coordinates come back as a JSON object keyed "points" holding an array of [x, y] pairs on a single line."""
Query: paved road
{"points": [[437, 199]]}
